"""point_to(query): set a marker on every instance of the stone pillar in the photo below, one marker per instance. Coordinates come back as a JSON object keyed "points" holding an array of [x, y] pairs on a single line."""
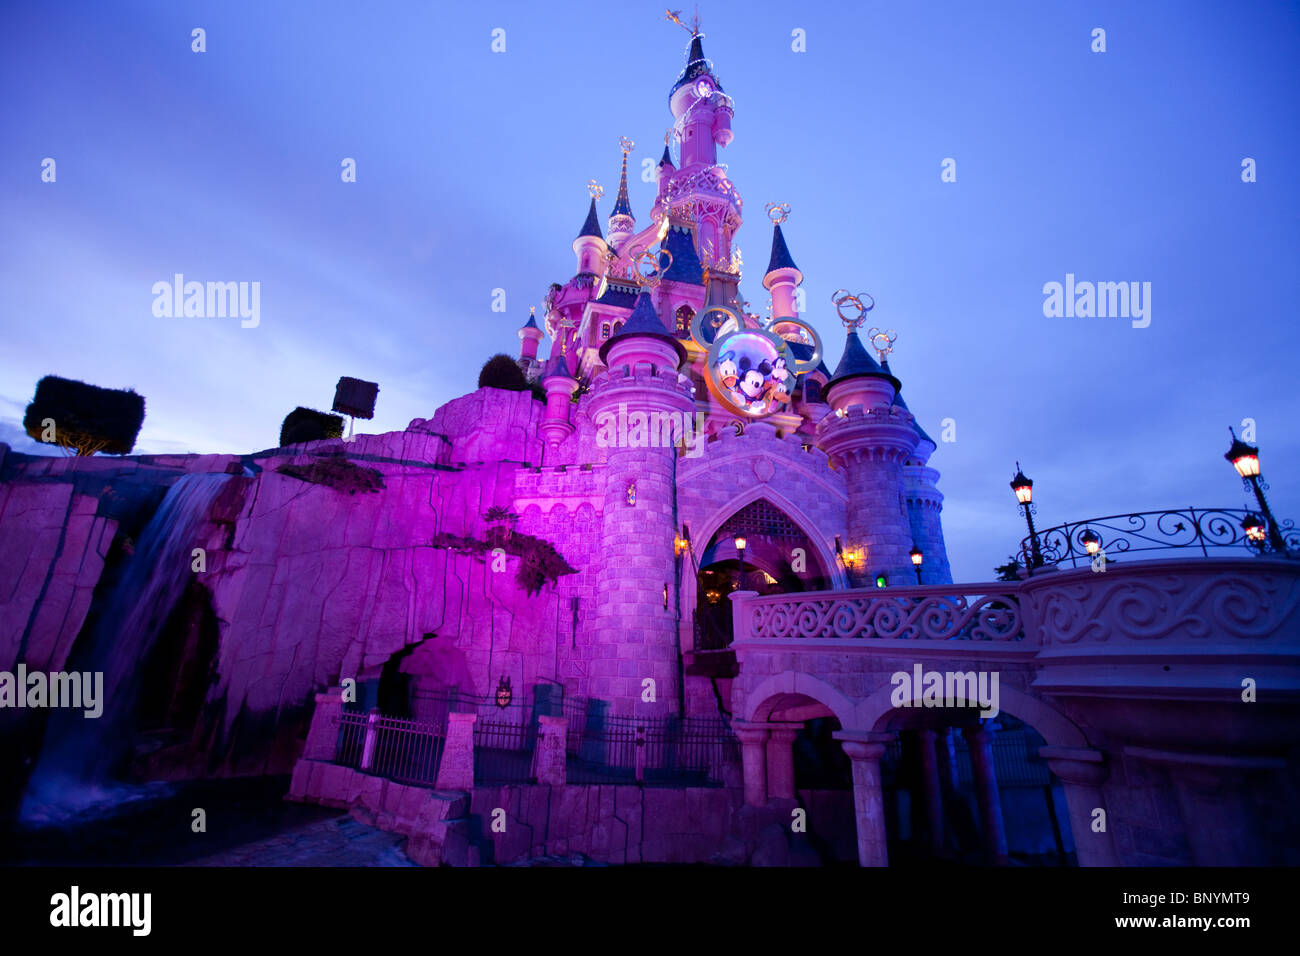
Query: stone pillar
{"points": [[550, 757], [865, 751], [933, 794], [456, 770], [979, 740], [780, 761], [945, 750], [753, 750], [323, 737], [1082, 772], [368, 747]]}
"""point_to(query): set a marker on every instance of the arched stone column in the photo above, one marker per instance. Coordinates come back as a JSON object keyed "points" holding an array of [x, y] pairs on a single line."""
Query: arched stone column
{"points": [[780, 760], [753, 754], [985, 782], [933, 793], [1082, 771], [864, 751]]}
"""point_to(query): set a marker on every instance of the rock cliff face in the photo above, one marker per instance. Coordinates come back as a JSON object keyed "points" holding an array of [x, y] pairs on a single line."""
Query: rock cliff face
{"points": [[307, 577]]}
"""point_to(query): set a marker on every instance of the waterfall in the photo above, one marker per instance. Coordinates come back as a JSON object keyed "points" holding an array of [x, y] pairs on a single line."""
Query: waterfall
{"points": [[71, 775]]}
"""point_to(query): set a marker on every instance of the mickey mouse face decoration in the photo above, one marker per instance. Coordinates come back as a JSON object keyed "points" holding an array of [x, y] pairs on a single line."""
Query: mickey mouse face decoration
{"points": [[752, 370]]}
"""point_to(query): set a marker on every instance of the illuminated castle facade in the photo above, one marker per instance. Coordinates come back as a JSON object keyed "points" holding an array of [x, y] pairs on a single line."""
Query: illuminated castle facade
{"points": [[825, 476]]}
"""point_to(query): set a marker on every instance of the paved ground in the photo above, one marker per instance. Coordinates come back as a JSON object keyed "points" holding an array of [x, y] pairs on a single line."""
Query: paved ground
{"points": [[341, 841]]}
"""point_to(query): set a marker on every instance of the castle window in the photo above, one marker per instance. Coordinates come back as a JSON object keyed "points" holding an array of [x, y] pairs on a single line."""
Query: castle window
{"points": [[617, 326], [604, 330], [685, 315]]}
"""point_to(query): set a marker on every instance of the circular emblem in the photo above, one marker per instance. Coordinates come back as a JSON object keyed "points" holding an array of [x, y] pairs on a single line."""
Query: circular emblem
{"points": [[749, 370]]}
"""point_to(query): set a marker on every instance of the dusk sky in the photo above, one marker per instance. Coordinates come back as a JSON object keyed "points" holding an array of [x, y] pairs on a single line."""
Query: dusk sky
{"points": [[1122, 166]]}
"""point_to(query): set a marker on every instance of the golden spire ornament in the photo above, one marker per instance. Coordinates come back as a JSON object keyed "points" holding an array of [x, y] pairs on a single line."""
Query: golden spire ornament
{"points": [[595, 189]]}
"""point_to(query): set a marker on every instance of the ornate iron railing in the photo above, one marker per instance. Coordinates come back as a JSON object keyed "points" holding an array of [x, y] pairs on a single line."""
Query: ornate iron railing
{"points": [[1202, 530], [407, 751], [966, 613]]}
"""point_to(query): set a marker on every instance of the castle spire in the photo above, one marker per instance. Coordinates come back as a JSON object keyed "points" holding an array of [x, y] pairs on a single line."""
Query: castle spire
{"points": [[621, 221], [591, 226], [783, 276], [590, 246]]}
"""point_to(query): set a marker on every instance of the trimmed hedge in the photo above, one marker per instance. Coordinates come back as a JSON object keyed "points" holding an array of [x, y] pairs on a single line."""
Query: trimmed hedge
{"points": [[501, 371], [355, 397], [307, 424], [86, 417]]}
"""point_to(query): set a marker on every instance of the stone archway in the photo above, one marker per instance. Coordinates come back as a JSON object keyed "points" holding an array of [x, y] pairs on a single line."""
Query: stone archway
{"points": [[979, 789], [762, 557]]}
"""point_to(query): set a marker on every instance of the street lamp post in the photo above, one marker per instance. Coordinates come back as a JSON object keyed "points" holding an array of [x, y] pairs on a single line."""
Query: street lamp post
{"points": [[1024, 489], [917, 558], [1245, 458], [740, 543]]}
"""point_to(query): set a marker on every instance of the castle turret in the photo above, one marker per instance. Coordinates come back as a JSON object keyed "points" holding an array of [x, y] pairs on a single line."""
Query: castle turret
{"points": [[638, 405], [703, 114], [560, 385], [702, 109], [590, 246], [782, 278], [530, 336], [869, 439], [924, 503], [664, 171]]}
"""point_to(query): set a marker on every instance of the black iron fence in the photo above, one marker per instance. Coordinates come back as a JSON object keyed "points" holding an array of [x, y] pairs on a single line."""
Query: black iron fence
{"points": [[600, 747], [407, 751], [663, 751], [1199, 530]]}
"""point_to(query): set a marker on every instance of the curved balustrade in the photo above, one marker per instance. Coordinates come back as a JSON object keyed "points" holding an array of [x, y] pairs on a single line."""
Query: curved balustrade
{"points": [[1201, 530], [981, 612]]}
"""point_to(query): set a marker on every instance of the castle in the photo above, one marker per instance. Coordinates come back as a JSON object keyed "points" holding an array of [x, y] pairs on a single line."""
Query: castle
{"points": [[825, 476], [678, 545]]}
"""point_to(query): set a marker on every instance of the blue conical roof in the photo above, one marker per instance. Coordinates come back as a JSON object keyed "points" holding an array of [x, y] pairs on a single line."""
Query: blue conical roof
{"points": [[531, 323], [592, 226], [667, 159], [780, 252], [644, 320], [685, 266], [696, 66], [558, 365], [857, 361]]}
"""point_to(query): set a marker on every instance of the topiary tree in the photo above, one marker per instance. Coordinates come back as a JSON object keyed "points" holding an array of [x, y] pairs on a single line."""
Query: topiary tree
{"points": [[84, 418], [501, 371], [307, 424]]}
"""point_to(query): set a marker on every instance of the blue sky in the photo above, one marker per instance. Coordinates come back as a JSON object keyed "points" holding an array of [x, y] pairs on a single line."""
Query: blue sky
{"points": [[472, 165]]}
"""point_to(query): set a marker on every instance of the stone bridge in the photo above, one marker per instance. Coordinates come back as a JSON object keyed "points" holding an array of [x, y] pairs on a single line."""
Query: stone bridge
{"points": [[1167, 692]]}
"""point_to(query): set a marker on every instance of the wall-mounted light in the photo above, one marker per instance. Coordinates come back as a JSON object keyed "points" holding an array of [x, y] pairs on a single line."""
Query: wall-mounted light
{"points": [[682, 543], [665, 595], [917, 557]]}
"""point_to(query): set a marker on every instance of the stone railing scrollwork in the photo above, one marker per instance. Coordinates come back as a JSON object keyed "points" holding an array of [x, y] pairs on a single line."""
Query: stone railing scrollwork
{"points": [[980, 612]]}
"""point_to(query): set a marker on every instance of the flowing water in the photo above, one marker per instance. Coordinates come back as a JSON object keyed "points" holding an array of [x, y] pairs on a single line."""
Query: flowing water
{"points": [[72, 777]]}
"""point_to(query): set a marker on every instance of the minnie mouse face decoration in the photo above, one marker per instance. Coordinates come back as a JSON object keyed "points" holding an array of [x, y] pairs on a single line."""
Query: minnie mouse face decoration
{"points": [[752, 371]]}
